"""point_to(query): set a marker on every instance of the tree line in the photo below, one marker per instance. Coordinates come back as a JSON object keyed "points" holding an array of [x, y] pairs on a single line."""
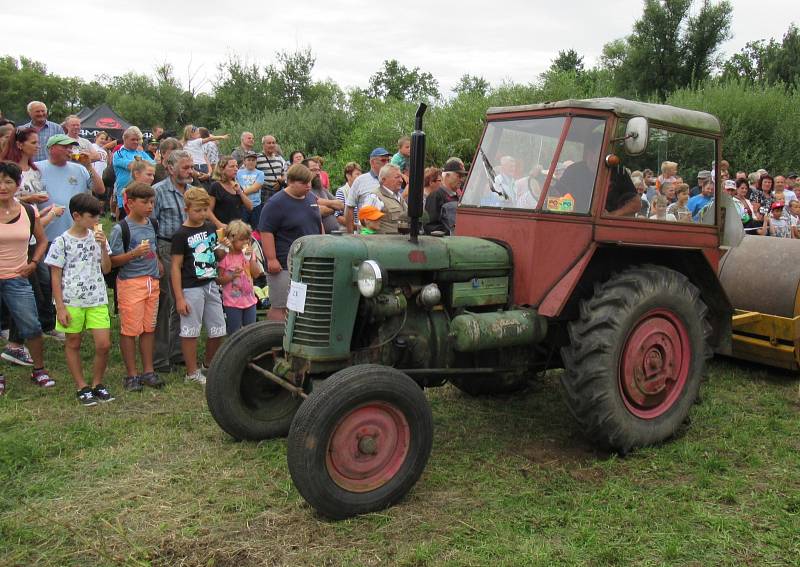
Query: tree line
{"points": [[671, 55]]}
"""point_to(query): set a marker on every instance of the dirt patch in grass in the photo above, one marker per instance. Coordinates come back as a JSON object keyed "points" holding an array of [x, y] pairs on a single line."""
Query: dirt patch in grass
{"points": [[572, 454]]}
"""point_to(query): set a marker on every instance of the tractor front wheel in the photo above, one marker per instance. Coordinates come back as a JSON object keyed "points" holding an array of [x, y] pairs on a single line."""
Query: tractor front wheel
{"points": [[243, 402], [360, 441], [636, 355]]}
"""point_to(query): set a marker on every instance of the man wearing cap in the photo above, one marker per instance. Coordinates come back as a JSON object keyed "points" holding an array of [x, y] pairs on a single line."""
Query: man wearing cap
{"points": [[791, 181], [365, 184], [62, 179], [246, 143], [696, 203], [701, 178], [39, 122], [274, 167], [453, 175]]}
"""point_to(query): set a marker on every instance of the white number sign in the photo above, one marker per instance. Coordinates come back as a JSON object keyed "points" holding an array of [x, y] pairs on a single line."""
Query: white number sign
{"points": [[297, 297]]}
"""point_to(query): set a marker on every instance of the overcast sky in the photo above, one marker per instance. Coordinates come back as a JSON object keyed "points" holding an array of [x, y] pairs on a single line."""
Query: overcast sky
{"points": [[498, 39]]}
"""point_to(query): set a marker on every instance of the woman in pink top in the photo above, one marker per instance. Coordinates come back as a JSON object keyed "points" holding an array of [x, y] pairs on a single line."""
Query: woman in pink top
{"points": [[236, 272], [18, 221]]}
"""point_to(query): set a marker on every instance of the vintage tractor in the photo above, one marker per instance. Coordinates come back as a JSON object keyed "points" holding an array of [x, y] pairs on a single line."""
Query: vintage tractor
{"points": [[549, 269]]}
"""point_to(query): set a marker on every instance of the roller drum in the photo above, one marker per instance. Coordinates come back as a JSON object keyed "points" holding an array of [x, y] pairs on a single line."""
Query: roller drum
{"points": [[762, 274]]}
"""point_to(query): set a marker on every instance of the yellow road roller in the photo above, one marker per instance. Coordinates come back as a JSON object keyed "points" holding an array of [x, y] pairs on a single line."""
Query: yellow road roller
{"points": [[761, 276]]}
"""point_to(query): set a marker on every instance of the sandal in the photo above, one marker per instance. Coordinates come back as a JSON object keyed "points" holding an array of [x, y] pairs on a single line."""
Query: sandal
{"points": [[42, 379]]}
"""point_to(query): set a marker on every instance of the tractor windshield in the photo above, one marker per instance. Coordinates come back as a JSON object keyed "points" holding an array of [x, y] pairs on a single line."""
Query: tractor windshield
{"points": [[519, 165]]}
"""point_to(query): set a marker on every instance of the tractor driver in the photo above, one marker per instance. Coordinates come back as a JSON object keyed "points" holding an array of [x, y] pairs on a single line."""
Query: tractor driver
{"points": [[578, 179]]}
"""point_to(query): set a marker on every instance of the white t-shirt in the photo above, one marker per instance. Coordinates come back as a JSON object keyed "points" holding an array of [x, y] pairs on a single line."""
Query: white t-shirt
{"points": [[195, 149], [82, 282], [31, 182], [363, 185]]}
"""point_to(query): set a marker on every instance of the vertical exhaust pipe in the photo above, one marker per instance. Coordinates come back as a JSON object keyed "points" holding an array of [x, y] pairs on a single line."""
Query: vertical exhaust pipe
{"points": [[416, 174]]}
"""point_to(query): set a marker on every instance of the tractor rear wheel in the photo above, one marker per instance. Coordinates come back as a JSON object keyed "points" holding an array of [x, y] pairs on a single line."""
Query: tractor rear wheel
{"points": [[360, 441], [244, 403], [633, 368]]}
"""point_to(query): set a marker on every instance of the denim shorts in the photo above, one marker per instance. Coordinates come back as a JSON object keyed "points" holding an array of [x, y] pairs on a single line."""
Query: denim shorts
{"points": [[17, 295]]}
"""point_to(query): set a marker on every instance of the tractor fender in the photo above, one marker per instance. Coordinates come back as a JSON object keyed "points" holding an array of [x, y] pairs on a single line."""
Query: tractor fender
{"points": [[601, 261]]}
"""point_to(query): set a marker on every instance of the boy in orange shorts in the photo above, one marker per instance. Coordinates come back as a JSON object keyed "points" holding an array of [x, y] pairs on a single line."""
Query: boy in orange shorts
{"points": [[133, 251]]}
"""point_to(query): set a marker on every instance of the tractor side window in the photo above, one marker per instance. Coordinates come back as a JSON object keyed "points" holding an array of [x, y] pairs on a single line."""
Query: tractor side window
{"points": [[512, 163], [664, 179]]}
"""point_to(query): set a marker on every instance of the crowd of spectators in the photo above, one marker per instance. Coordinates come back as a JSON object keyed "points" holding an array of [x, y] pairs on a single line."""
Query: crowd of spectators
{"points": [[766, 205], [190, 234]]}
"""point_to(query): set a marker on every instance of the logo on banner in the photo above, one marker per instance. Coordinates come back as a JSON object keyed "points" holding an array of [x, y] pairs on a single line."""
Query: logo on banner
{"points": [[108, 123]]}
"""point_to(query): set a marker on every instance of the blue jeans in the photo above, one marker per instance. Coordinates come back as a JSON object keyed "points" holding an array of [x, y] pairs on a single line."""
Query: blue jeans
{"points": [[236, 318], [17, 295]]}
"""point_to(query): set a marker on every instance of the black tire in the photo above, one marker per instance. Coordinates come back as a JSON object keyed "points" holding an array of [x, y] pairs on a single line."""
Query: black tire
{"points": [[506, 383], [246, 405], [354, 400], [605, 364]]}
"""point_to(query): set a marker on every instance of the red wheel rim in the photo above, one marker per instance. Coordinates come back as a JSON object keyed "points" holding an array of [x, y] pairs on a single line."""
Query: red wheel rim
{"points": [[368, 446], [655, 364]]}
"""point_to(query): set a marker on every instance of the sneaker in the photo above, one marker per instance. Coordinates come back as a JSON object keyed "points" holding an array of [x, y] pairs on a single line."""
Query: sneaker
{"points": [[2, 385], [101, 393], [57, 335], [196, 376], [152, 379], [19, 355], [132, 383], [42, 379], [86, 397]]}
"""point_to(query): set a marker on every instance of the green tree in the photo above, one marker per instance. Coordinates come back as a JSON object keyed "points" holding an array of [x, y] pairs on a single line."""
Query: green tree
{"points": [[750, 64], [290, 80], [669, 48], [472, 84], [784, 63], [397, 82], [568, 60]]}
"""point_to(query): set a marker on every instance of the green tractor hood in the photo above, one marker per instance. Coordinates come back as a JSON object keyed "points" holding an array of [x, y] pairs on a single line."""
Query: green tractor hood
{"points": [[327, 265]]}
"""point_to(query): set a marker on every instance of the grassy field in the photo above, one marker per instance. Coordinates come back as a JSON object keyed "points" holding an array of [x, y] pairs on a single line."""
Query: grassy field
{"points": [[149, 479]]}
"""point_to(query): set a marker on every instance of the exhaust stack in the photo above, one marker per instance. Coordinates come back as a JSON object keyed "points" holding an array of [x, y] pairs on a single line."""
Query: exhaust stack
{"points": [[416, 174]]}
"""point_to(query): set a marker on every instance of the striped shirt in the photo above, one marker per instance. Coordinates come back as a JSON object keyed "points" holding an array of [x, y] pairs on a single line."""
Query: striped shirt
{"points": [[45, 132], [168, 208], [273, 167]]}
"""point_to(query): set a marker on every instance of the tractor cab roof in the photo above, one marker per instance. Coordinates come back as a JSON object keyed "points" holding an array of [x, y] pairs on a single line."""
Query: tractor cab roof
{"points": [[655, 113]]}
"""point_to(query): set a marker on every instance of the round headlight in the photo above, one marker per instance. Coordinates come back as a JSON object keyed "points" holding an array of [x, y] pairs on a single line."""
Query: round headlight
{"points": [[370, 278]]}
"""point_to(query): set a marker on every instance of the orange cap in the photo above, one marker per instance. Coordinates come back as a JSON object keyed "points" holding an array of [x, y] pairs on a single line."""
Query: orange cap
{"points": [[368, 212]]}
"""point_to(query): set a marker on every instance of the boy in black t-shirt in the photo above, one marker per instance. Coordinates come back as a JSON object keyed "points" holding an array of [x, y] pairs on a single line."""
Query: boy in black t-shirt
{"points": [[196, 247]]}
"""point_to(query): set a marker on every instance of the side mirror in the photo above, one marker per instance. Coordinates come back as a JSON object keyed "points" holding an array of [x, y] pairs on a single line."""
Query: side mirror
{"points": [[636, 134]]}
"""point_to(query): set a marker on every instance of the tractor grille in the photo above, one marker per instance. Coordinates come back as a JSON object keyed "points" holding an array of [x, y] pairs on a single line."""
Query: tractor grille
{"points": [[313, 327]]}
